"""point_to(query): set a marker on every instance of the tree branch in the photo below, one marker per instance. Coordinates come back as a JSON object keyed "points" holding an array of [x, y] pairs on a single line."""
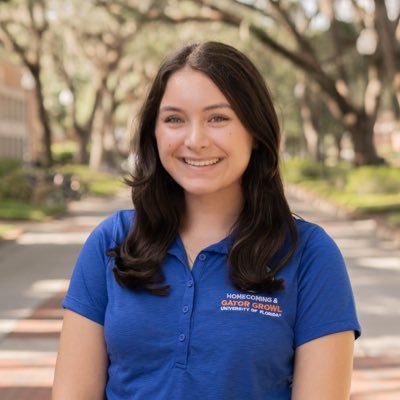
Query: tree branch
{"points": [[15, 46], [253, 7], [300, 39], [360, 15], [337, 44], [310, 66]]}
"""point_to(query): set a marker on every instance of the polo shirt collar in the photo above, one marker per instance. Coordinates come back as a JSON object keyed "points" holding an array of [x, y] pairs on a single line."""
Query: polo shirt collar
{"points": [[221, 247]]}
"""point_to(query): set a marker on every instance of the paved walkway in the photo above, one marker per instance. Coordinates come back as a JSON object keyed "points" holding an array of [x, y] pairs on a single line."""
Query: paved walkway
{"points": [[373, 259], [35, 271]]}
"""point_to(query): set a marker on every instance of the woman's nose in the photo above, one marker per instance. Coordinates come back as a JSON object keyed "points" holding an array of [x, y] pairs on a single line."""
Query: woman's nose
{"points": [[196, 137]]}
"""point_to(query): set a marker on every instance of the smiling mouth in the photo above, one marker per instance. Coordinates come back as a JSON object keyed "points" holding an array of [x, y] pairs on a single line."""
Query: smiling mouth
{"points": [[201, 163]]}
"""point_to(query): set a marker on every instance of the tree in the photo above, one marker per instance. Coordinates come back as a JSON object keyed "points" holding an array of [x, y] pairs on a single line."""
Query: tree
{"points": [[107, 49], [388, 44], [98, 54], [330, 72], [75, 78], [328, 67], [23, 26]]}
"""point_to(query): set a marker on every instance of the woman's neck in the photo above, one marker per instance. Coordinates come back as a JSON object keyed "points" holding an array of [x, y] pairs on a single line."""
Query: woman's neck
{"points": [[209, 218]]}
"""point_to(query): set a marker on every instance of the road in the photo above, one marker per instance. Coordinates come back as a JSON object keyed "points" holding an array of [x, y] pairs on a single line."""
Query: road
{"points": [[35, 269]]}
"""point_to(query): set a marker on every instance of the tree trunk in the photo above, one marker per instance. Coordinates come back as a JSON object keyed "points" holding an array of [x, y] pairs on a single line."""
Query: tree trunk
{"points": [[396, 88], [103, 141], [389, 46], [96, 149], [362, 135], [109, 145], [311, 134], [47, 157], [338, 147], [83, 154], [310, 124]]}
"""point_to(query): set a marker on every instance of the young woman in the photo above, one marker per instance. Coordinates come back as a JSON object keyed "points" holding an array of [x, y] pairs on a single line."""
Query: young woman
{"points": [[210, 289]]}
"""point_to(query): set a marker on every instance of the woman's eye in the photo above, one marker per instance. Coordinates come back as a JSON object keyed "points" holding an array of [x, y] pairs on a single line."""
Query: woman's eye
{"points": [[218, 118], [173, 119]]}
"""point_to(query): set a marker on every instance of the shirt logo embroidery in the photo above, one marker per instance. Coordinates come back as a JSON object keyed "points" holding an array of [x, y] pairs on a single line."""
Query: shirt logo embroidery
{"points": [[252, 303]]}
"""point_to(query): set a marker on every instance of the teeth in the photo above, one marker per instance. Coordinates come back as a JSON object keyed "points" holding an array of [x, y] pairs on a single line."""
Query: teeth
{"points": [[201, 163]]}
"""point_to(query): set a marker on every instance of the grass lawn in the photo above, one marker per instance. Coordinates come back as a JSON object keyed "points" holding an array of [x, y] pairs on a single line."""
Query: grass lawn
{"points": [[393, 219], [5, 229], [373, 191], [368, 202], [96, 183], [15, 190], [18, 210], [385, 206]]}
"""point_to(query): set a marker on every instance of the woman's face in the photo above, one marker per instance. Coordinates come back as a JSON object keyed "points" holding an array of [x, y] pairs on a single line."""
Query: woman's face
{"points": [[201, 141]]}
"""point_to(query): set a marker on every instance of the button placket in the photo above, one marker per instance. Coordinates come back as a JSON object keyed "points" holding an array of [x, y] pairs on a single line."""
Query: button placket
{"points": [[184, 325]]}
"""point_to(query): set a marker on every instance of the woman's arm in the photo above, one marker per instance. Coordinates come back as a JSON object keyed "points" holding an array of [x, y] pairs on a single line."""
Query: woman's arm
{"points": [[323, 368], [81, 367]]}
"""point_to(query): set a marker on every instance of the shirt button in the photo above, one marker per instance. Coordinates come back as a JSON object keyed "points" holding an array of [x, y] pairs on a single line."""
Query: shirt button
{"points": [[190, 283], [202, 257], [182, 337], [185, 309]]}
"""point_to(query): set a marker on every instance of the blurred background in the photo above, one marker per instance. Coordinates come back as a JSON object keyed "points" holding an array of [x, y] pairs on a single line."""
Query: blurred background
{"points": [[73, 75]]}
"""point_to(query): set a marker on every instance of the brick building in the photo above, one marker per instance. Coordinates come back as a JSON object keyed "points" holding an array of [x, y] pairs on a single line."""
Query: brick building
{"points": [[19, 127]]}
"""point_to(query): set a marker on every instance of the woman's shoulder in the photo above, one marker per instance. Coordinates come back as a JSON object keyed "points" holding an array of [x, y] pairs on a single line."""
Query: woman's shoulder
{"points": [[309, 231], [115, 227], [314, 240], [317, 246]]}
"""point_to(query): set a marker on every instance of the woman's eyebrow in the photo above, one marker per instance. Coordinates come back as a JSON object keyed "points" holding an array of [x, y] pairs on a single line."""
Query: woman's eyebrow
{"points": [[170, 108], [218, 105], [207, 108]]}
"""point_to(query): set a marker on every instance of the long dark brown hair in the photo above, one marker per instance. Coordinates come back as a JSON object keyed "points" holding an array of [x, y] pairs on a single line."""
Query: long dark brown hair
{"points": [[265, 225]]}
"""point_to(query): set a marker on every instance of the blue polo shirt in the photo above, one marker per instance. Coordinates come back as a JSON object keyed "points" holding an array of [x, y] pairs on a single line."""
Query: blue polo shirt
{"points": [[206, 339]]}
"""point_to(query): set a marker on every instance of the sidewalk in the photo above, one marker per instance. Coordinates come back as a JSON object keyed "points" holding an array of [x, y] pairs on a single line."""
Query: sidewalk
{"points": [[29, 343], [26, 370], [372, 254], [29, 377], [35, 269], [376, 378]]}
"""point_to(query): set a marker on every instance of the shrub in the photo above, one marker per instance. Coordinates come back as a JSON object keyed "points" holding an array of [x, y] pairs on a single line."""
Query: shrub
{"points": [[64, 152], [368, 180], [13, 182], [7, 166], [63, 157], [297, 170], [94, 182], [15, 186]]}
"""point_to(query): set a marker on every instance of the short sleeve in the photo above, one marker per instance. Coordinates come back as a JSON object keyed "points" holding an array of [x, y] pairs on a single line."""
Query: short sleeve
{"points": [[325, 303], [87, 292]]}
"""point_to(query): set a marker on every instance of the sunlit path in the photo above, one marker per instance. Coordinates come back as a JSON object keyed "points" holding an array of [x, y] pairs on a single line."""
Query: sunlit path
{"points": [[35, 271]]}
